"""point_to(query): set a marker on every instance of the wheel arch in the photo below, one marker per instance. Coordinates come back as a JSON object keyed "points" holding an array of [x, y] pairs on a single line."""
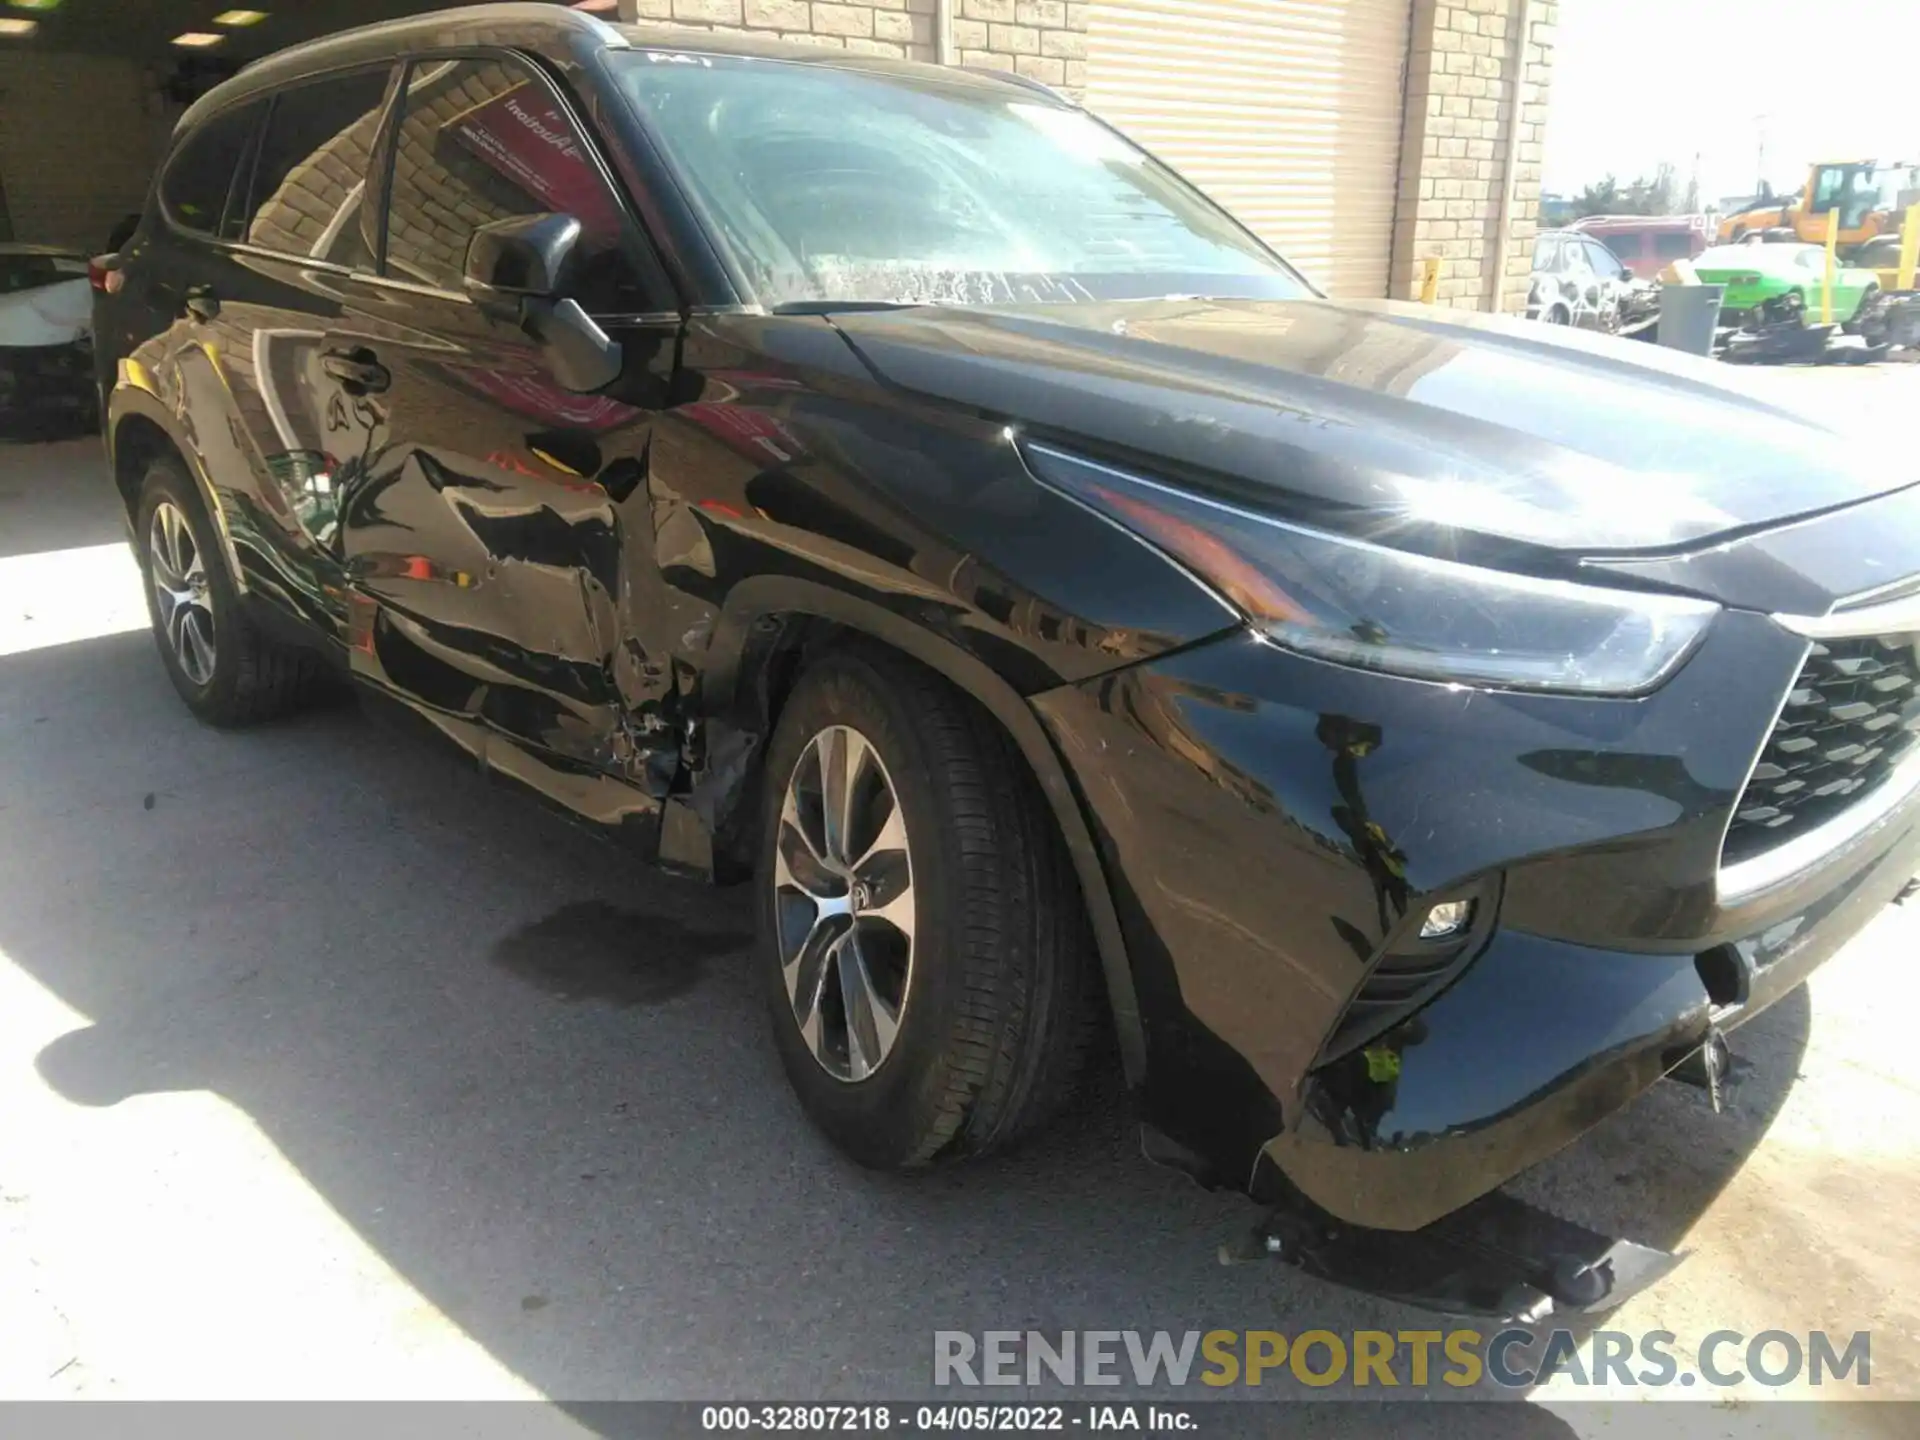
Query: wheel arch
{"points": [[139, 430], [759, 643]]}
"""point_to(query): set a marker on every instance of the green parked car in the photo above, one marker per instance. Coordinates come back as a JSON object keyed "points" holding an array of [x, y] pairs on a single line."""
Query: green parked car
{"points": [[1755, 274]]}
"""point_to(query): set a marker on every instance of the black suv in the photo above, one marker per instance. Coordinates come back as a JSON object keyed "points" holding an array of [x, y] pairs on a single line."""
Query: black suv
{"points": [[1410, 736]]}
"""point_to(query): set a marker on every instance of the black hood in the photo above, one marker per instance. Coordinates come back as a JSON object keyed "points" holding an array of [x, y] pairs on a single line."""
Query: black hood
{"points": [[1377, 416]]}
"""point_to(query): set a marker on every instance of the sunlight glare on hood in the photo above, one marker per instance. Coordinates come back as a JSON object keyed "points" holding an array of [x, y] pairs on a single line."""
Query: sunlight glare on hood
{"points": [[1580, 500]]}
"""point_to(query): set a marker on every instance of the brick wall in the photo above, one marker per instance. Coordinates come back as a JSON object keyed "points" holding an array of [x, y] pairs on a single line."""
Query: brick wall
{"points": [[1044, 39], [1467, 67], [902, 28]]}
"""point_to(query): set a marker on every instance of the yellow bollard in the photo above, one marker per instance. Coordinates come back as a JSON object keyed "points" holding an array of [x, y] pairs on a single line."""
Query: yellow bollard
{"points": [[1429, 279], [1826, 276], [1909, 248]]}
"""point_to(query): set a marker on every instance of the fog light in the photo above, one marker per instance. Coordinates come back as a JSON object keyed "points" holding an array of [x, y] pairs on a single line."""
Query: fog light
{"points": [[1446, 919]]}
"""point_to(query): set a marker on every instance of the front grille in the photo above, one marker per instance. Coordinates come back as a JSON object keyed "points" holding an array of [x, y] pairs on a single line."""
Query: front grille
{"points": [[1848, 722]]}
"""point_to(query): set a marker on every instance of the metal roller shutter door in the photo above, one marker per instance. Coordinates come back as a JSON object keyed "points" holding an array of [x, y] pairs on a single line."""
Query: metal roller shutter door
{"points": [[1285, 111]]}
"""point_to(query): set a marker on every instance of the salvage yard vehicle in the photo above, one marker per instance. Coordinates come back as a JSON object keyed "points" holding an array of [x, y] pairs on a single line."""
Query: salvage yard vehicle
{"points": [[1757, 276], [1577, 281], [888, 487], [1648, 244], [46, 340], [1870, 199]]}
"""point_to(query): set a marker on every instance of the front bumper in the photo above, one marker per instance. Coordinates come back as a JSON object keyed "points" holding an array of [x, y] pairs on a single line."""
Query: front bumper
{"points": [[1273, 825]]}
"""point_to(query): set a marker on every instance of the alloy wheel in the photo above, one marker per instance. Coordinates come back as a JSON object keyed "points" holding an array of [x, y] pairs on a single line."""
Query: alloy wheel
{"points": [[178, 574], [843, 902]]}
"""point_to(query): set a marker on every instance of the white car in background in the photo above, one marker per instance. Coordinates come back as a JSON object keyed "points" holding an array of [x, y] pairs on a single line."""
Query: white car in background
{"points": [[46, 339]]}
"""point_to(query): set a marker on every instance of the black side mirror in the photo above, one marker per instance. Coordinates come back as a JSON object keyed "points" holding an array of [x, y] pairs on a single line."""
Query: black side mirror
{"points": [[525, 266], [526, 255]]}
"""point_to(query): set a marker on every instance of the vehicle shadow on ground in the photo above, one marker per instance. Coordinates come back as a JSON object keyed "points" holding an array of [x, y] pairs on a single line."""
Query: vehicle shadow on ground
{"points": [[534, 1075]]}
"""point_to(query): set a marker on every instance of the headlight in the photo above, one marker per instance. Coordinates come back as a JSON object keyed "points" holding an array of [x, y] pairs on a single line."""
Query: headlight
{"points": [[1360, 604]]}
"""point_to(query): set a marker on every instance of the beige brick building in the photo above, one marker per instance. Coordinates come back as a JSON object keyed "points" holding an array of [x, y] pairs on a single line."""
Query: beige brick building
{"points": [[1365, 139]]}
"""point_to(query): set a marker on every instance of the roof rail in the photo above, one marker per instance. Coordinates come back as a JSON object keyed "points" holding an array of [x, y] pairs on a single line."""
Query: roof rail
{"points": [[558, 17], [1025, 82]]}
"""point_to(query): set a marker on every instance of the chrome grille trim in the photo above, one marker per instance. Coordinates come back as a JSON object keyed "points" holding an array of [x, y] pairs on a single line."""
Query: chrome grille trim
{"points": [[1899, 616], [1755, 876]]}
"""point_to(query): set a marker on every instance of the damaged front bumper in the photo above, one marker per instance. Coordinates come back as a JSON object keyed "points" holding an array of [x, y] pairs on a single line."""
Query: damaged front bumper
{"points": [[1292, 819], [1498, 1258], [1579, 1032]]}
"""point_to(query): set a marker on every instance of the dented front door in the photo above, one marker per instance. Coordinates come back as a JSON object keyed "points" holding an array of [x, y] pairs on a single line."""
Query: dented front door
{"points": [[484, 531]]}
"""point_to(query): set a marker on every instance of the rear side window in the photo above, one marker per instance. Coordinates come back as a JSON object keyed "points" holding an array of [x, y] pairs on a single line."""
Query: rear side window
{"points": [[1624, 243], [483, 140], [1546, 253], [310, 183], [209, 164], [1673, 244]]}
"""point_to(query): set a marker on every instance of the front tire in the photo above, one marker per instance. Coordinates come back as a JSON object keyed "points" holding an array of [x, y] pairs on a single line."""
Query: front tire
{"points": [[922, 941], [223, 668]]}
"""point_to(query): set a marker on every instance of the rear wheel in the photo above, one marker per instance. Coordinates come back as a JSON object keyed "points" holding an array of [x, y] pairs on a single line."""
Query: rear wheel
{"points": [[922, 941], [226, 671]]}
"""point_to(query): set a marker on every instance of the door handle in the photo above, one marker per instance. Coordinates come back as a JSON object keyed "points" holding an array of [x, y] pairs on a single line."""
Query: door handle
{"points": [[202, 304], [359, 371]]}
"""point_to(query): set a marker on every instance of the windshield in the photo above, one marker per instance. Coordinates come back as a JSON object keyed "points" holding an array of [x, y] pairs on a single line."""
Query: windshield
{"points": [[832, 185]]}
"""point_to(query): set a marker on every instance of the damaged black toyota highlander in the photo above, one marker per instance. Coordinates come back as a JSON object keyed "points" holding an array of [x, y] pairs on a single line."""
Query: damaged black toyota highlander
{"points": [[1412, 736]]}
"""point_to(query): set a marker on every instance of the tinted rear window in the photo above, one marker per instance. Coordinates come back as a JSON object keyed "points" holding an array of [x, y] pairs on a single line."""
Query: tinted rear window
{"points": [[311, 177], [208, 164]]}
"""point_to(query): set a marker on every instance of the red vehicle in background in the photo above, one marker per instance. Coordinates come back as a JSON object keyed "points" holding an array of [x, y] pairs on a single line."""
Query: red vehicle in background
{"points": [[1647, 244]]}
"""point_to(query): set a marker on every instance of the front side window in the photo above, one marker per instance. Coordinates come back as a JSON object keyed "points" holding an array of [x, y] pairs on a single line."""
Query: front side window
{"points": [[480, 141], [830, 185], [310, 182], [1672, 244], [211, 162]]}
